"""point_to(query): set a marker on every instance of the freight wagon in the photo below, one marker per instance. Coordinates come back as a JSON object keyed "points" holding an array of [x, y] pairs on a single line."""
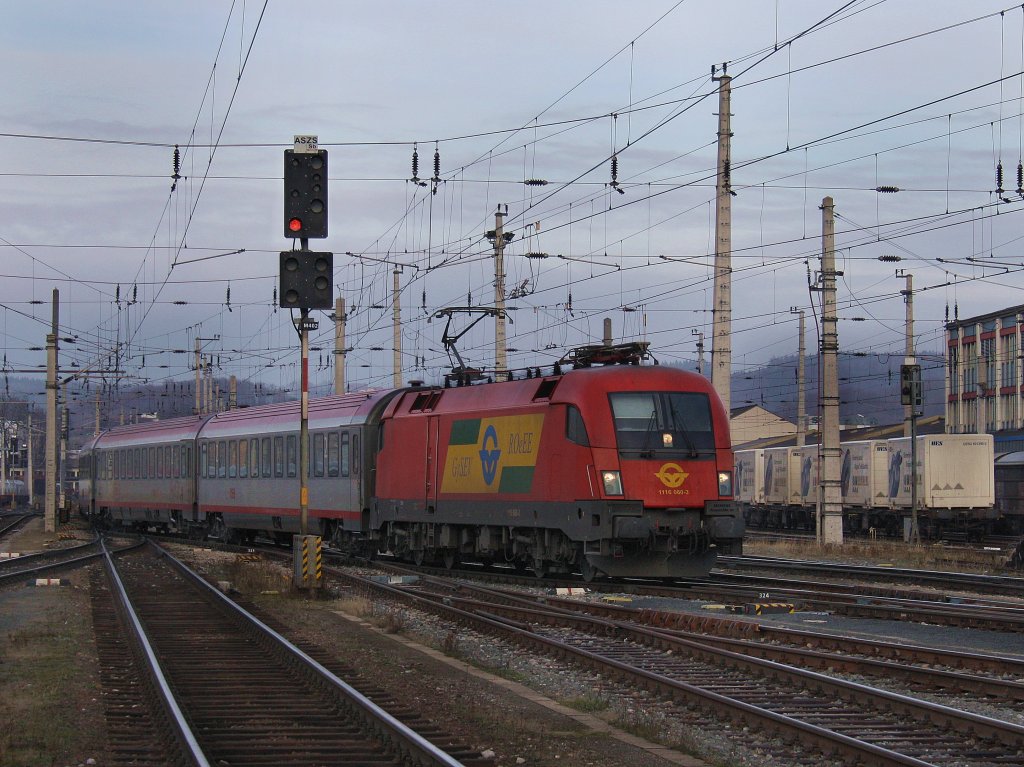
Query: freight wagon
{"points": [[955, 483]]}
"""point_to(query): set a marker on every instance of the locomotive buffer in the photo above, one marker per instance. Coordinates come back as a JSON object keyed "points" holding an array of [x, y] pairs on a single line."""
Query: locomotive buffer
{"points": [[306, 282]]}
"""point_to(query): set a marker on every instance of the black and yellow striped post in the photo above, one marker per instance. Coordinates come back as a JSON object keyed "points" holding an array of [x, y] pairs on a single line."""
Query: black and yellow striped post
{"points": [[308, 555], [318, 581]]}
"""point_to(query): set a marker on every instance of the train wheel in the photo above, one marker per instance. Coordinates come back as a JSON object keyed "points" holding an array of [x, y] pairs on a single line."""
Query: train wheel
{"points": [[540, 567], [587, 570], [450, 559]]}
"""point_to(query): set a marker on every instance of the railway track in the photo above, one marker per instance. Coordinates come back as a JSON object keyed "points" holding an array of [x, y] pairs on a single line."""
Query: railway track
{"points": [[994, 678], [232, 690], [822, 714], [851, 600], [48, 563], [990, 584]]}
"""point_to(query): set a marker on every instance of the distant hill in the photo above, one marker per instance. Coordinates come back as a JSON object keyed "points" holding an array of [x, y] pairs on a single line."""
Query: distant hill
{"points": [[869, 389]]}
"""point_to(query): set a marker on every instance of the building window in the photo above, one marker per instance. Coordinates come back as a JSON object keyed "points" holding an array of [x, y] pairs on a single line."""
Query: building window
{"points": [[953, 370], [988, 362]]}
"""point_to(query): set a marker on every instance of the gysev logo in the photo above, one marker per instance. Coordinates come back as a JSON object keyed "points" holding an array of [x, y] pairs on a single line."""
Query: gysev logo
{"points": [[672, 476], [489, 454], [492, 455]]}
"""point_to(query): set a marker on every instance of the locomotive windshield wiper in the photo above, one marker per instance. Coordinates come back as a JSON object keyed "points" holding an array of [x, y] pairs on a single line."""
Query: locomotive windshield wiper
{"points": [[680, 426], [645, 452]]}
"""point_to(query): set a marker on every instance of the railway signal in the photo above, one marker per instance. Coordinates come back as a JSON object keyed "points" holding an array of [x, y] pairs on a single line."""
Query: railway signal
{"points": [[910, 385], [307, 279], [305, 193]]}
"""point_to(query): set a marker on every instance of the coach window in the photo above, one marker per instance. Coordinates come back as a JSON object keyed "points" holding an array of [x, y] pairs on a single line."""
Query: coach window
{"points": [[154, 457], [202, 459], [265, 462], [355, 453], [254, 458], [158, 464], [345, 456], [175, 464], [145, 463], [222, 459], [278, 456], [167, 462], [332, 454], [187, 459], [232, 459], [243, 458], [291, 445], [318, 455]]}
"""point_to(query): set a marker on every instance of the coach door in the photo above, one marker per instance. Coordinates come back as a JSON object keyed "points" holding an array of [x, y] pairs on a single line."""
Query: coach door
{"points": [[433, 469]]}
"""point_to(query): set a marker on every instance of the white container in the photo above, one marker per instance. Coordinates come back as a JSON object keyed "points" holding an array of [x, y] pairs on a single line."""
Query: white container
{"points": [[806, 464], [864, 476], [749, 476], [954, 471], [781, 477]]}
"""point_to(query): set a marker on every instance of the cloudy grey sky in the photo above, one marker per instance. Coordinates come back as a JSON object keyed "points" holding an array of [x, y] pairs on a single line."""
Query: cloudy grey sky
{"points": [[829, 98]]}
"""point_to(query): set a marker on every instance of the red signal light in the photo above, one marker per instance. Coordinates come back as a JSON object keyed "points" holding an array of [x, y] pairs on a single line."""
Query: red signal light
{"points": [[295, 224]]}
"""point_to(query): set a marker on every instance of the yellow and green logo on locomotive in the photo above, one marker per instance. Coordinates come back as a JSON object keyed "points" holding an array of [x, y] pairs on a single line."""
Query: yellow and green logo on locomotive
{"points": [[492, 455]]}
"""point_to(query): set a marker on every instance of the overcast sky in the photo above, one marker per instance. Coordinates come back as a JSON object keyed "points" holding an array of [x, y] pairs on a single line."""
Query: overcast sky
{"points": [[829, 98]]}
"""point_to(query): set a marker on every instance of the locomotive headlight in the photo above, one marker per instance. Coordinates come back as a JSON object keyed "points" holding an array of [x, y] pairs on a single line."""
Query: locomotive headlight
{"points": [[725, 483], [612, 482]]}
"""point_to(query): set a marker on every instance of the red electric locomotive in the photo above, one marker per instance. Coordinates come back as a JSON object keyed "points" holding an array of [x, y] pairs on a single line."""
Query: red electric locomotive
{"points": [[623, 470]]}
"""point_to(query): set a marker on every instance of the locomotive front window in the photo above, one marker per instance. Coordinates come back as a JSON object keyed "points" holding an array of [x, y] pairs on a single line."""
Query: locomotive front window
{"points": [[660, 423]]}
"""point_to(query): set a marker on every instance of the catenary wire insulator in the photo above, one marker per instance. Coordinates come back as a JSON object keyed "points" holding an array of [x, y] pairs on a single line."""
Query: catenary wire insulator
{"points": [[437, 167], [415, 165], [999, 178], [1020, 179]]}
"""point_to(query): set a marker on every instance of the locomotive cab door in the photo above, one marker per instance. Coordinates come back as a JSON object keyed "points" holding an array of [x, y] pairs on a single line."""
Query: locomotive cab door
{"points": [[432, 474]]}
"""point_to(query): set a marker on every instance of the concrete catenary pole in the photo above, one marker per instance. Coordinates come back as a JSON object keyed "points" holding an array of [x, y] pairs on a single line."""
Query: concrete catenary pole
{"points": [[911, 358], [396, 308], [339, 346], [801, 383], [198, 409], [232, 392], [500, 348], [50, 497], [721, 343], [831, 454], [31, 478]]}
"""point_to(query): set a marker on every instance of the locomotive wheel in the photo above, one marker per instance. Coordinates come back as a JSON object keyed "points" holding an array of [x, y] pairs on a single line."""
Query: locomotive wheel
{"points": [[540, 567], [587, 570]]}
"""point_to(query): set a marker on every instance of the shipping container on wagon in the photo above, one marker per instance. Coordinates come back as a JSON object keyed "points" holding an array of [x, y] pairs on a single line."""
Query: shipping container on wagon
{"points": [[864, 476], [807, 464], [750, 477], [954, 471], [781, 477]]}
